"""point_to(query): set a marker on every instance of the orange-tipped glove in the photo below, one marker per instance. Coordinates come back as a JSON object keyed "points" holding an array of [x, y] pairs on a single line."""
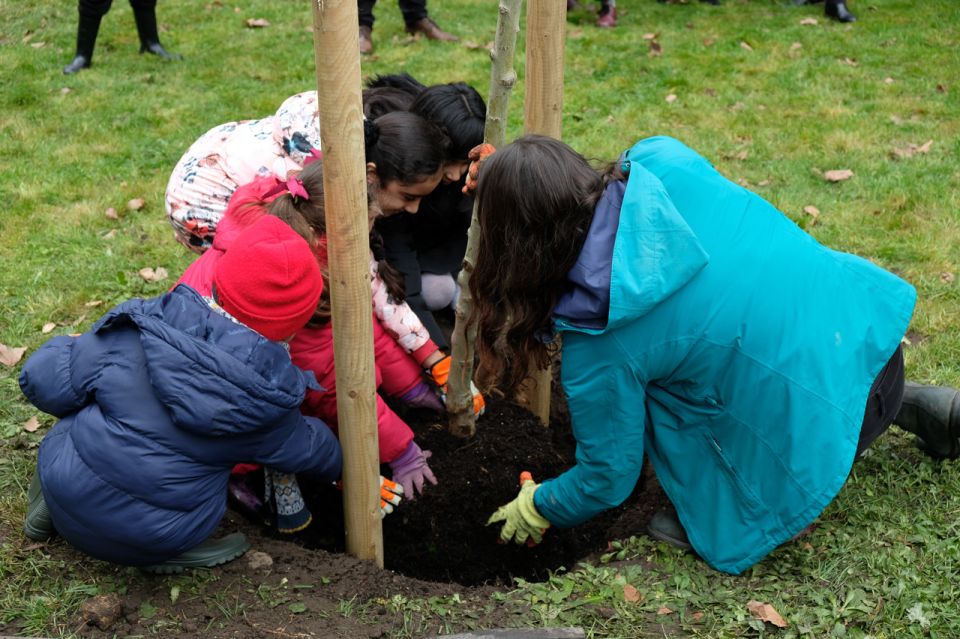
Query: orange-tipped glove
{"points": [[390, 495], [440, 374], [476, 156], [522, 522]]}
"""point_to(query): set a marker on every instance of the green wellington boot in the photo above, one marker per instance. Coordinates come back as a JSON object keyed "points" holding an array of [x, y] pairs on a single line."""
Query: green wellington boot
{"points": [[665, 526], [212, 552], [38, 524], [932, 413]]}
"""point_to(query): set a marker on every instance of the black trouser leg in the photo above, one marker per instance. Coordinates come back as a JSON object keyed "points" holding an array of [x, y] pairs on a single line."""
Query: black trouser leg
{"points": [[413, 11], [365, 12], [91, 13], [145, 14], [883, 403]]}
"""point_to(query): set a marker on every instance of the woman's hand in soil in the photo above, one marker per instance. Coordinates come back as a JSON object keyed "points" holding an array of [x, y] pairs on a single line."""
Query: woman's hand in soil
{"points": [[410, 470], [390, 495], [522, 522]]}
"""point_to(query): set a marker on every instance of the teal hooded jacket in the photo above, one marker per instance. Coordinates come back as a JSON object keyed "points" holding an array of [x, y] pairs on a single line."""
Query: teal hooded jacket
{"points": [[705, 328]]}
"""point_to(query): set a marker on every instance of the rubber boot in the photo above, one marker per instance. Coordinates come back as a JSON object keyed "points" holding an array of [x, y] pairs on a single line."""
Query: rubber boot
{"points": [[665, 526], [146, 18], [212, 552], [87, 29], [837, 9], [932, 413], [37, 525]]}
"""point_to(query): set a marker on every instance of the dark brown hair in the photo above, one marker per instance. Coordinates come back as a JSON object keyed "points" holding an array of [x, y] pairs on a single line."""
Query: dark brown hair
{"points": [[535, 202]]}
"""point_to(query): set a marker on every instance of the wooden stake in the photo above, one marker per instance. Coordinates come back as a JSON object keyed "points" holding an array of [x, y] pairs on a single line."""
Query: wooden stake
{"points": [[543, 115], [337, 53], [463, 423]]}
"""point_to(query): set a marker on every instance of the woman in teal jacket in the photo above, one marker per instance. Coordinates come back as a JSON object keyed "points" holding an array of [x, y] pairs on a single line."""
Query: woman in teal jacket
{"points": [[699, 326]]}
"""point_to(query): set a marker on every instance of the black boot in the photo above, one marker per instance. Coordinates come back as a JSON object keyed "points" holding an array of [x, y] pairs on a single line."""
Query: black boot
{"points": [[146, 18], [87, 29], [837, 9], [932, 413]]}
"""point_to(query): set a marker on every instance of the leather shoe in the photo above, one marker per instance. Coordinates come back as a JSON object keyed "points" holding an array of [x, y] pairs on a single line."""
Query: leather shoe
{"points": [[155, 48], [609, 19], [837, 9], [366, 39], [79, 63], [429, 28]]}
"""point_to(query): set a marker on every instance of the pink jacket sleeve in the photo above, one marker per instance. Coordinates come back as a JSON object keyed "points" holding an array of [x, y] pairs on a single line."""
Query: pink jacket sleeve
{"points": [[399, 320]]}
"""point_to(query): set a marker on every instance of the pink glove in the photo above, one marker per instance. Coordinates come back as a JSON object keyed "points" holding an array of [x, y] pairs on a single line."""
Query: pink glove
{"points": [[410, 470], [422, 396]]}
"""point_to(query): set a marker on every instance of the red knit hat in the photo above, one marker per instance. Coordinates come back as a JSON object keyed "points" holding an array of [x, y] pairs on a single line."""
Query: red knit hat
{"points": [[269, 279]]}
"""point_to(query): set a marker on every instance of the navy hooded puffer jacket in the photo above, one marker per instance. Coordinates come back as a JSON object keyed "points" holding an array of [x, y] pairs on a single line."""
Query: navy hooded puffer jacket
{"points": [[157, 402]]}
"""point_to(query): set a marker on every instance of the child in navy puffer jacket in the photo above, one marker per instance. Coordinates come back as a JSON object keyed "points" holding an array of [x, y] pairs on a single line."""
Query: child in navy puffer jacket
{"points": [[162, 397]]}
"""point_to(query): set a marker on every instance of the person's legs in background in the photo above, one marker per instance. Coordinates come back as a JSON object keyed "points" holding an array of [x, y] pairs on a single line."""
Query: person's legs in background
{"points": [[90, 12], [365, 15], [417, 21], [145, 14]]}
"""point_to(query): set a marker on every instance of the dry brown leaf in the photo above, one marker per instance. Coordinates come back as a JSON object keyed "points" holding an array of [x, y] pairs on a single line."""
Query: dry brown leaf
{"points": [[655, 49], [796, 46], [946, 277], [631, 594], [663, 610], [111, 214], [809, 22], [109, 235], [888, 80], [136, 204], [10, 355], [812, 211], [49, 326], [766, 612], [910, 150], [742, 155], [611, 119], [152, 275], [838, 175], [896, 119], [850, 62], [697, 616], [38, 45], [941, 88], [711, 92], [745, 46], [470, 44], [708, 42], [93, 303], [65, 90], [765, 182], [31, 425], [671, 98], [650, 36], [807, 545], [257, 23]]}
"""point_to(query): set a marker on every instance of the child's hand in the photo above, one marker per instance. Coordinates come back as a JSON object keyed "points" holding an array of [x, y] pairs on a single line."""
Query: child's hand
{"points": [[411, 471], [440, 373], [390, 495], [476, 156]]}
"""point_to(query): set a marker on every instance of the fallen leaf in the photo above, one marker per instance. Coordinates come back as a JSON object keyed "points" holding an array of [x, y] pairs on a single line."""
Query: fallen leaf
{"points": [[74, 334], [809, 22], [796, 46], [697, 616], [575, 33], [765, 182], [31, 425], [838, 175], [655, 49], [611, 119], [663, 610], [671, 98], [109, 235], [910, 150], [10, 355], [93, 303], [111, 214], [708, 42], [896, 119], [711, 92], [850, 62], [766, 612], [49, 326], [136, 204], [888, 80], [745, 46], [38, 45], [742, 155], [65, 90], [470, 44], [153, 275], [946, 277], [738, 106], [812, 211], [807, 545], [630, 593], [257, 23], [941, 88], [236, 9], [650, 36]]}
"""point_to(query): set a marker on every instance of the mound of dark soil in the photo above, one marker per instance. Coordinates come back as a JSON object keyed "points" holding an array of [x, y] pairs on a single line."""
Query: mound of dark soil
{"points": [[442, 535]]}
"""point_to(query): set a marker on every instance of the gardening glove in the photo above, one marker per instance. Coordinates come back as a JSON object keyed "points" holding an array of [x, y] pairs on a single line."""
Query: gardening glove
{"points": [[422, 396], [410, 470], [521, 520], [440, 373], [390, 496], [476, 156]]}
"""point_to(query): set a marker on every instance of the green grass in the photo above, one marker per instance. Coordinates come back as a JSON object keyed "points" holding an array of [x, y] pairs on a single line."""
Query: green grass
{"points": [[884, 561]]}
